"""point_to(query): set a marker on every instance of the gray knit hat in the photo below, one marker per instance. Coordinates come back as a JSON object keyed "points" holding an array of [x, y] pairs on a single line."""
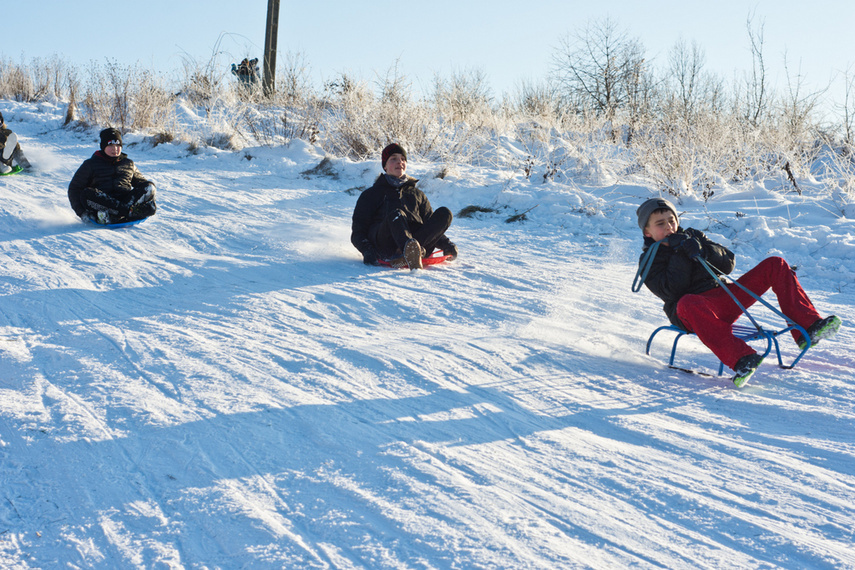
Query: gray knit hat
{"points": [[643, 212]]}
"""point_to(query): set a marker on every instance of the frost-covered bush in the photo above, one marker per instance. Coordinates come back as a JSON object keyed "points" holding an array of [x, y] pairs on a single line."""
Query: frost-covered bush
{"points": [[129, 98], [37, 80], [680, 129]]}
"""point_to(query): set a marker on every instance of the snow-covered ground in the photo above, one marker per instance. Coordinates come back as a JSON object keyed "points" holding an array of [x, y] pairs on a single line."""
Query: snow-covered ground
{"points": [[227, 386]]}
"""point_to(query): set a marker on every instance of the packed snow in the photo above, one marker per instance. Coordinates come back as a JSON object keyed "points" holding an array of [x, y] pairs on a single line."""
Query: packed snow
{"points": [[226, 385]]}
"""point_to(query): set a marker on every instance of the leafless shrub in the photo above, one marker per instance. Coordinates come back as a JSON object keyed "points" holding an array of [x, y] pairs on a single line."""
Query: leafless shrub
{"points": [[50, 77], [838, 174], [125, 97], [160, 138], [350, 126], [536, 101], [222, 141], [397, 112], [15, 82], [279, 126], [36, 80], [294, 86], [202, 83], [464, 97]]}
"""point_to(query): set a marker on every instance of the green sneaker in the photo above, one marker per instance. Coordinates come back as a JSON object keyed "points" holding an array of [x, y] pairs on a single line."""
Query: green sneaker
{"points": [[745, 368], [821, 329]]}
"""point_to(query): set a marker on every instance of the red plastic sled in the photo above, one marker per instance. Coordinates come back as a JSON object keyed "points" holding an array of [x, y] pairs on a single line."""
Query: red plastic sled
{"points": [[433, 259]]}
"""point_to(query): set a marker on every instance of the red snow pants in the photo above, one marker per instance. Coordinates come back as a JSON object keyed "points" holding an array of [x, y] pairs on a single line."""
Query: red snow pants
{"points": [[711, 314]]}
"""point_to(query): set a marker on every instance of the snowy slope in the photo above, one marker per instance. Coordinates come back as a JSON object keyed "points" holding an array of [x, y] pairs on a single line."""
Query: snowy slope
{"points": [[226, 385]]}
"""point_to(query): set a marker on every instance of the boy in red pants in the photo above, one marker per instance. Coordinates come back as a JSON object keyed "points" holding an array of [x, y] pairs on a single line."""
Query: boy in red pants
{"points": [[695, 302]]}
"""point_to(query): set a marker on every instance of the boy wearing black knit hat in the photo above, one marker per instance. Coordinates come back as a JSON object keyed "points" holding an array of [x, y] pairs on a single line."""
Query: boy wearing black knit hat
{"points": [[694, 301], [393, 219], [108, 189]]}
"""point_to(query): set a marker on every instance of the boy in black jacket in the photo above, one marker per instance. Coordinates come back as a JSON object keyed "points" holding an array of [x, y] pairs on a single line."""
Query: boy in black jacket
{"points": [[108, 188], [393, 220], [695, 302]]}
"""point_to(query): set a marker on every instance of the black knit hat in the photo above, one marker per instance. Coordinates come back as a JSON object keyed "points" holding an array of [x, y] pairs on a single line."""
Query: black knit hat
{"points": [[1, 118], [389, 151], [643, 212], [110, 136]]}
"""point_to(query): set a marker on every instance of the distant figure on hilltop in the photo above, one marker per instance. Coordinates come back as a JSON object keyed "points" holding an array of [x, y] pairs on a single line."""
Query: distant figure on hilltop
{"points": [[393, 220], [10, 150], [108, 188], [246, 72]]}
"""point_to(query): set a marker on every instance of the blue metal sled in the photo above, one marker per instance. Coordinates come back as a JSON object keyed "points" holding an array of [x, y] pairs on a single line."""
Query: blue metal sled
{"points": [[746, 333]]}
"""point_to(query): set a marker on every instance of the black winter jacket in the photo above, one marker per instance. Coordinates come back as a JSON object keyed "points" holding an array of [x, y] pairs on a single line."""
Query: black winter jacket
{"points": [[377, 202], [673, 274], [116, 177]]}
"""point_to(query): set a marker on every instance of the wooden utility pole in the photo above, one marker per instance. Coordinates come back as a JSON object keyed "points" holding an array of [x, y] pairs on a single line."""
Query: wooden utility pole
{"points": [[270, 36]]}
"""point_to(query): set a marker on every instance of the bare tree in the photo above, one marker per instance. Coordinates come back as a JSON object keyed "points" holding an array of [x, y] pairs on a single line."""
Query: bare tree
{"points": [[685, 64], [639, 89], [848, 106], [756, 95], [601, 69], [797, 107]]}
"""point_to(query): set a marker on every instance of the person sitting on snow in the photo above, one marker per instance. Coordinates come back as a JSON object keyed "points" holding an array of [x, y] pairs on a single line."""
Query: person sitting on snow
{"points": [[694, 301], [10, 150], [108, 188], [393, 219]]}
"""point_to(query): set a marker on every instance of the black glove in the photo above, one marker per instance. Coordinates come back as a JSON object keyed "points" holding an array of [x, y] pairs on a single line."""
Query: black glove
{"points": [[450, 250], [674, 240], [691, 247], [143, 210], [369, 257]]}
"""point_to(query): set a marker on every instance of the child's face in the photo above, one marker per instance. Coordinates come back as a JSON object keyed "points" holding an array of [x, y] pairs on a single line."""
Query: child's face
{"points": [[661, 225], [114, 150], [396, 165]]}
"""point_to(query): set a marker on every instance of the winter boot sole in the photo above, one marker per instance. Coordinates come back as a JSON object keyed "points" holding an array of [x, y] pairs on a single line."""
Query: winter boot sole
{"points": [[413, 254], [826, 331], [11, 143], [741, 378]]}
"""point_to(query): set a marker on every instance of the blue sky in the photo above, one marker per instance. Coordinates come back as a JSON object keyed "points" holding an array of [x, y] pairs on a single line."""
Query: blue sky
{"points": [[508, 41]]}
